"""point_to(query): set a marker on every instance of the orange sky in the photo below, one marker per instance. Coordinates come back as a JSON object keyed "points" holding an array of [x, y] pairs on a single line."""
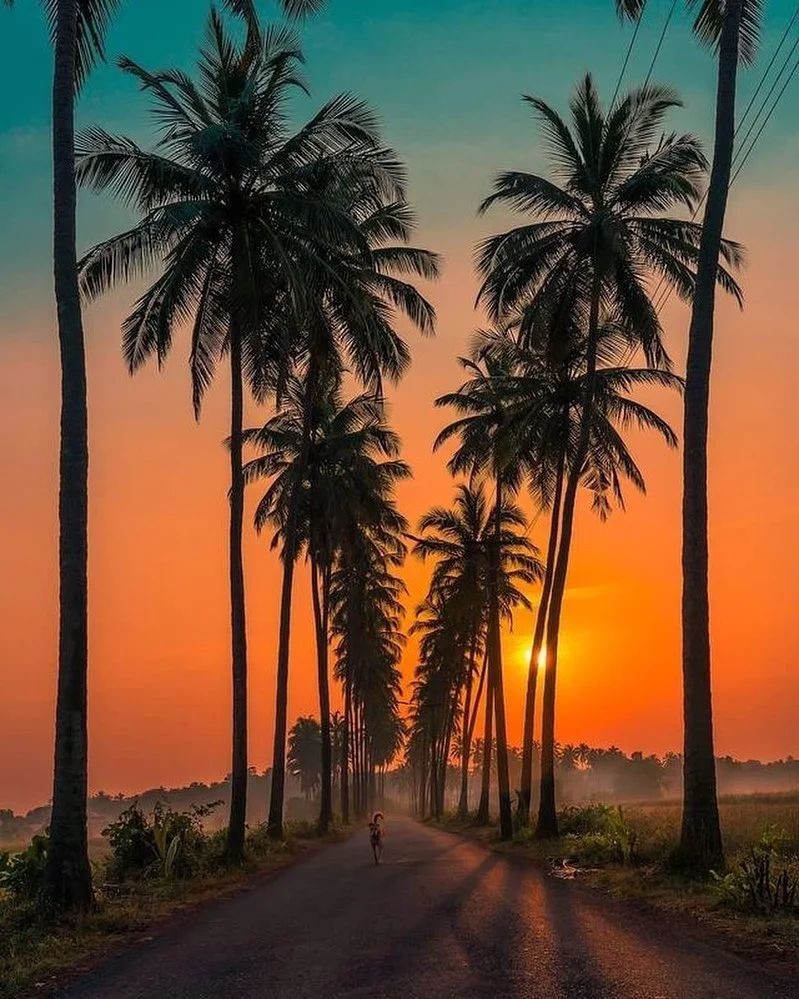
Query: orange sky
{"points": [[158, 629]]}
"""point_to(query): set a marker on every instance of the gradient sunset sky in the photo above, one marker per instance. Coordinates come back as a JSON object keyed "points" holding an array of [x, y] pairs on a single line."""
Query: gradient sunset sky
{"points": [[446, 77]]}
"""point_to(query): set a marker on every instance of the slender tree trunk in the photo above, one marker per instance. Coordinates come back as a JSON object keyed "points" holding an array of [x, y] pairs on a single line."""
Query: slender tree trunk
{"points": [[238, 629], [483, 815], [275, 820], [700, 838], [495, 667], [528, 732], [442, 788], [320, 621], [356, 761], [466, 735], [68, 875], [371, 785], [547, 826], [290, 548], [478, 697], [345, 757]]}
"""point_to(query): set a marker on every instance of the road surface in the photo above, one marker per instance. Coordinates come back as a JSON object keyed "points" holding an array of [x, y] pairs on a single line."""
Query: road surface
{"points": [[440, 917]]}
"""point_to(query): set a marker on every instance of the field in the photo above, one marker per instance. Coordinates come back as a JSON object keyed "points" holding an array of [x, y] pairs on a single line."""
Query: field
{"points": [[744, 820]]}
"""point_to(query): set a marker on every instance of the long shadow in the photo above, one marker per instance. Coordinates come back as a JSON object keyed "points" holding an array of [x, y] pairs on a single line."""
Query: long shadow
{"points": [[506, 949], [419, 950], [578, 971]]}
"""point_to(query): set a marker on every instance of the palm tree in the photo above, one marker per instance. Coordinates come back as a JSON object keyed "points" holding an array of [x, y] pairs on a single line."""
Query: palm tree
{"points": [[599, 234], [454, 538], [329, 461], [543, 406], [305, 754], [228, 213], [453, 619], [480, 452], [732, 28], [78, 29], [366, 604], [352, 326]]}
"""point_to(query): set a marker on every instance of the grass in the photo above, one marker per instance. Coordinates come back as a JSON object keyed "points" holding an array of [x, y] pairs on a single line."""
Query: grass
{"points": [[36, 954], [626, 855]]}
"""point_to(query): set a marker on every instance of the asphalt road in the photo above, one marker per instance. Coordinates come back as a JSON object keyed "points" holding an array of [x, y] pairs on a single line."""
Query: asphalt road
{"points": [[440, 917]]}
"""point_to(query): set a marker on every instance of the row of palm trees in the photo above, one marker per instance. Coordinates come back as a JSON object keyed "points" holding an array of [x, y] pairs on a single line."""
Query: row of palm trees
{"points": [[286, 251], [546, 404], [266, 258]]}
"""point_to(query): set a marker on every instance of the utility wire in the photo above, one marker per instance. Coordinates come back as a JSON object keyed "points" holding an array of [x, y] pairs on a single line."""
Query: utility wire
{"points": [[630, 48], [766, 120], [768, 68], [659, 45], [742, 155]]}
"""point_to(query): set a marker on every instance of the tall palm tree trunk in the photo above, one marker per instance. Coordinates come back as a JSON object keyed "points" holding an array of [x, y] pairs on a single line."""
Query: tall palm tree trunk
{"points": [[700, 838], [476, 707], [466, 735], [68, 875], [449, 716], [345, 756], [483, 808], [238, 627], [528, 732], [495, 667], [274, 823], [320, 605], [547, 825]]}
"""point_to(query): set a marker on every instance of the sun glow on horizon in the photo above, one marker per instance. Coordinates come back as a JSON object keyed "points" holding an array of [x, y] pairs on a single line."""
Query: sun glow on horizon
{"points": [[524, 654]]}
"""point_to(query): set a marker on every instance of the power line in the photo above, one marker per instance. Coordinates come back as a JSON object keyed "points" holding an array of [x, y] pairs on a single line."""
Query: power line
{"points": [[768, 68], [753, 125], [741, 154], [630, 48], [659, 45], [766, 120]]}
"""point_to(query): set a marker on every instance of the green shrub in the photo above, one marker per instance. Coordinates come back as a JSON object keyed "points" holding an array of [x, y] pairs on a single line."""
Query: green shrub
{"points": [[763, 883], [579, 820], [599, 834], [22, 874], [130, 840], [167, 844]]}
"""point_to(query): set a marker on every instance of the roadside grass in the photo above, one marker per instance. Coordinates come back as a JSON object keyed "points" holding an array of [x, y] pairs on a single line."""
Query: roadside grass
{"points": [[625, 852], [37, 953]]}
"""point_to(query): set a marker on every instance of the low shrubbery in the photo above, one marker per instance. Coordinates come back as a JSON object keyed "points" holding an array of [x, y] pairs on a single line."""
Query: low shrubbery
{"points": [[153, 863], [765, 881], [165, 844], [162, 845], [590, 834], [22, 874]]}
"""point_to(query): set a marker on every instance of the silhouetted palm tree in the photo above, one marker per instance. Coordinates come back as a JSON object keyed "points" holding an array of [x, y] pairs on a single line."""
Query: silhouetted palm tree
{"points": [[543, 405], [352, 325], [328, 464], [366, 605], [454, 537], [481, 453], [599, 234], [229, 214], [305, 754], [732, 29], [453, 618], [78, 29]]}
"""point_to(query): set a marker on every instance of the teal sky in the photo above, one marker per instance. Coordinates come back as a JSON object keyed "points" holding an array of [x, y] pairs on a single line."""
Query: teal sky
{"points": [[445, 75]]}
